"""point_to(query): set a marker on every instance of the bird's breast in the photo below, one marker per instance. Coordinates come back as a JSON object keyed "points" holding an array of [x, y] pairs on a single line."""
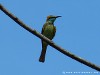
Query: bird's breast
{"points": [[49, 28], [49, 31]]}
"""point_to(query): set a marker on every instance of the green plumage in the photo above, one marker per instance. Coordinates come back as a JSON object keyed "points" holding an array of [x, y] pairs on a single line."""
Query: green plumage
{"points": [[49, 31]]}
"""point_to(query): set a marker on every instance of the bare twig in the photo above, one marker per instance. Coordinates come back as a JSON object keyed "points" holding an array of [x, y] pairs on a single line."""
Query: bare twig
{"points": [[51, 43]]}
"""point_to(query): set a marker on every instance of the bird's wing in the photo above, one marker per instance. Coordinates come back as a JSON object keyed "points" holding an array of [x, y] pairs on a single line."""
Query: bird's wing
{"points": [[43, 28], [54, 31]]}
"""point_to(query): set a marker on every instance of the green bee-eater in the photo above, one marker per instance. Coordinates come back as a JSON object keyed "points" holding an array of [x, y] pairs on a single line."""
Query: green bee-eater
{"points": [[49, 31]]}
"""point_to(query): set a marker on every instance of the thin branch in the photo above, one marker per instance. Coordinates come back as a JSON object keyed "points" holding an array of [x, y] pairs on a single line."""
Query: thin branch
{"points": [[51, 43]]}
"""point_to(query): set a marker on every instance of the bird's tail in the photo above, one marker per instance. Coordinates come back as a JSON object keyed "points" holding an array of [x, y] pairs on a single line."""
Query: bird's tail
{"points": [[43, 53]]}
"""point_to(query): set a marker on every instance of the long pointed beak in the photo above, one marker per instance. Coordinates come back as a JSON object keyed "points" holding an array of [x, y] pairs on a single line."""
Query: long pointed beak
{"points": [[58, 16]]}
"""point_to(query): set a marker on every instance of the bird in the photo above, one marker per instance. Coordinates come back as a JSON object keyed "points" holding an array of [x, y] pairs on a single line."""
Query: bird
{"points": [[48, 30]]}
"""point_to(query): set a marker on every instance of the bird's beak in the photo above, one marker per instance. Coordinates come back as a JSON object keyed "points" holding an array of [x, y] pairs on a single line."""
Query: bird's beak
{"points": [[58, 16]]}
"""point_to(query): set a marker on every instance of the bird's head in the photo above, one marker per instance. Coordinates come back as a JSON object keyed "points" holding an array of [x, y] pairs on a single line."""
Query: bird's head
{"points": [[51, 18]]}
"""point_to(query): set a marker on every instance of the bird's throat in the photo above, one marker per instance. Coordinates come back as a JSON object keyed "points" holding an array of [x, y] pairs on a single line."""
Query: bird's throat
{"points": [[50, 22]]}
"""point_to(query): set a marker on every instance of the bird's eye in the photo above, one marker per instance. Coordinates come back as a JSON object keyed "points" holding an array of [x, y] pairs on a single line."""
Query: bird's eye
{"points": [[52, 19]]}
